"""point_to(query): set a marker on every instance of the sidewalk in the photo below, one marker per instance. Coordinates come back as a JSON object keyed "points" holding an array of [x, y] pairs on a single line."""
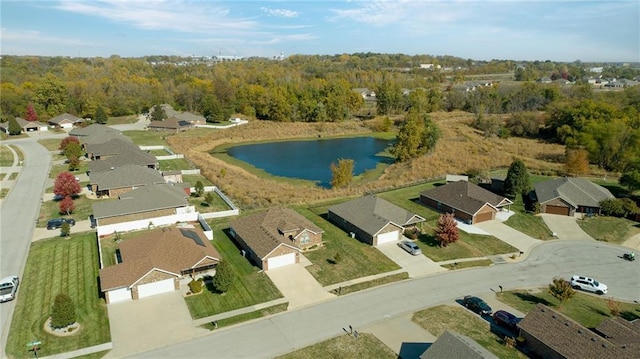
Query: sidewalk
{"points": [[80, 352]]}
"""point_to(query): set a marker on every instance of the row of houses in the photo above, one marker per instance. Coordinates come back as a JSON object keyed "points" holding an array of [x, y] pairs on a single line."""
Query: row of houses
{"points": [[64, 121]]}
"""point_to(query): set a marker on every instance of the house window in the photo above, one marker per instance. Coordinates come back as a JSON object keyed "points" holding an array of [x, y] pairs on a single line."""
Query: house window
{"points": [[304, 238]]}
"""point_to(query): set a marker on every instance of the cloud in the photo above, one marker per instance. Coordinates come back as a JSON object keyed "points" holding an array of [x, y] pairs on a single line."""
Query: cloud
{"points": [[280, 12], [401, 13], [35, 37]]}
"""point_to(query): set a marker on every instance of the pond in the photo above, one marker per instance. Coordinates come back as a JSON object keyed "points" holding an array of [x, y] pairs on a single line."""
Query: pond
{"points": [[311, 160]]}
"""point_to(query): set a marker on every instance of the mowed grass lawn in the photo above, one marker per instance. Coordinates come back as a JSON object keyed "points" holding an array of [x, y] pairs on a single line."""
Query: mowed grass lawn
{"points": [[438, 319], [177, 164], [148, 138], [55, 266], [528, 223], [609, 229], [51, 209], [586, 309], [345, 346], [357, 259], [251, 286]]}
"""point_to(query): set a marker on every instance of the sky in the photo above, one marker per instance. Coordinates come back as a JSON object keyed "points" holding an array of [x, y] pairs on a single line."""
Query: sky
{"points": [[556, 30]]}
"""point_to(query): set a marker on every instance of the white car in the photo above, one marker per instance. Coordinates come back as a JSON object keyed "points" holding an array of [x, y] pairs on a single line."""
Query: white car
{"points": [[588, 284], [8, 288]]}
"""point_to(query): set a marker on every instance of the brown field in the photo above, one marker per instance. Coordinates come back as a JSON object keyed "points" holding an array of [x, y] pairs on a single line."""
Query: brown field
{"points": [[460, 148]]}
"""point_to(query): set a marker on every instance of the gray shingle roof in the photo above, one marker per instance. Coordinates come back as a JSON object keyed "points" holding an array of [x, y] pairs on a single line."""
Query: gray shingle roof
{"points": [[372, 213], [168, 249], [127, 157], [465, 196], [451, 345], [126, 176], [173, 123], [143, 199], [575, 191], [114, 145], [27, 124], [65, 117], [94, 129], [263, 231]]}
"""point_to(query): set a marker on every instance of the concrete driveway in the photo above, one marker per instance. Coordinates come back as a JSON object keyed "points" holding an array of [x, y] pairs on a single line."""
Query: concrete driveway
{"points": [[508, 235], [416, 266], [148, 323], [297, 285], [565, 227]]}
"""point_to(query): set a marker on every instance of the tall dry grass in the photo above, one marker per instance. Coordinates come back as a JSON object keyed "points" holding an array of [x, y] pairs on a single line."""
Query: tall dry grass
{"points": [[461, 148]]}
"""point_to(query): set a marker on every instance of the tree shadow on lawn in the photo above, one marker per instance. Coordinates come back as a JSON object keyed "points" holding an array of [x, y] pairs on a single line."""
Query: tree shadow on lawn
{"points": [[630, 315], [527, 297], [429, 240]]}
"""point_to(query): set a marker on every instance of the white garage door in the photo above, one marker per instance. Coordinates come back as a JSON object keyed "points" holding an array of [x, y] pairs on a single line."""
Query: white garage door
{"points": [[163, 286], [119, 295], [67, 125], [280, 261], [388, 237]]}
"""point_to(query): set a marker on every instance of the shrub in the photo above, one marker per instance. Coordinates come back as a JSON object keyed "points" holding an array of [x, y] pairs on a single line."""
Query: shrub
{"points": [[63, 312], [195, 286], [224, 277]]}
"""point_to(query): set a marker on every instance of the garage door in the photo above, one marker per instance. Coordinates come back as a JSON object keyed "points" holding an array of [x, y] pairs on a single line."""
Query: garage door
{"points": [[149, 289], [67, 125], [281, 261], [482, 217], [388, 237], [119, 295], [557, 210]]}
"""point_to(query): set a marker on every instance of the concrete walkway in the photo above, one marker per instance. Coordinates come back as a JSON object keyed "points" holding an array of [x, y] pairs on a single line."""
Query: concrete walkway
{"points": [[509, 235], [80, 352], [297, 285]]}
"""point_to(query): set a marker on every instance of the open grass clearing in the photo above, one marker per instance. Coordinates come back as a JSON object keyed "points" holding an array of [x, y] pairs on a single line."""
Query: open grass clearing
{"points": [[438, 319], [250, 286], [586, 309], [148, 138], [609, 229], [345, 346], [176, 164], [55, 266], [122, 120], [357, 259]]}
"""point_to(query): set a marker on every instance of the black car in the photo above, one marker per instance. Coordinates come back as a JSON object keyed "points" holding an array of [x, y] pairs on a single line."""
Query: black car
{"points": [[477, 305], [506, 320], [57, 222]]}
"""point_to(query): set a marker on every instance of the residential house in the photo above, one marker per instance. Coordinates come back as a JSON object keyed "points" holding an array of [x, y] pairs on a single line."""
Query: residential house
{"points": [[455, 345], [570, 195], [154, 262], [372, 220], [147, 206], [189, 117], [274, 238], [550, 334], [123, 179], [124, 158], [65, 120], [112, 147], [96, 134], [170, 124], [172, 176], [469, 202], [27, 126]]}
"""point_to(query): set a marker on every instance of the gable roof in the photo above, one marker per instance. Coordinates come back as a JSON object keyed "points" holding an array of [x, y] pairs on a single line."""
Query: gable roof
{"points": [[95, 129], [185, 116], [112, 146], [172, 123], [455, 345], [371, 213], [569, 338], [65, 117], [264, 231], [126, 176], [170, 250], [621, 332], [143, 199], [26, 124], [126, 157], [465, 196], [575, 191]]}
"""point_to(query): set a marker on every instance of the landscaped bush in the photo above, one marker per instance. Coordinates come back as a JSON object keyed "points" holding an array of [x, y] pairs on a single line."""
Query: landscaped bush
{"points": [[195, 286], [63, 312]]}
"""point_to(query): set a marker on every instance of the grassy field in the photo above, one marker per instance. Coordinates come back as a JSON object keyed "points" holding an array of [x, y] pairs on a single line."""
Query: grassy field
{"points": [[177, 164], [50, 209], [59, 266], [529, 224], [6, 157], [468, 246], [345, 346], [122, 120], [438, 319], [148, 138], [193, 179], [51, 144], [251, 286], [586, 309], [203, 207], [610, 229], [357, 259]]}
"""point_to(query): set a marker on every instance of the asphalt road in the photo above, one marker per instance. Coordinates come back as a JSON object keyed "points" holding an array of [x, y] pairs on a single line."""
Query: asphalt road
{"points": [[17, 218], [285, 332]]}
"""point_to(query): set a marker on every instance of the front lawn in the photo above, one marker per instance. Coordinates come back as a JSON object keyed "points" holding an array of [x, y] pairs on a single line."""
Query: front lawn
{"points": [[356, 260], [408, 198], [55, 266], [609, 229], [528, 223], [585, 309], [51, 209], [468, 246], [6, 157], [57, 169], [438, 319], [345, 346], [251, 286], [51, 144]]}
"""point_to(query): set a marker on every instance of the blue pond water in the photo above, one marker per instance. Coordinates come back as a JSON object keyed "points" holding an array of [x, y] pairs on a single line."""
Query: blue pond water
{"points": [[311, 160]]}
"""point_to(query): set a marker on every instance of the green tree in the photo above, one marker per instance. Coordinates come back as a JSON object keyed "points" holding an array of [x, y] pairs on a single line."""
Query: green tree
{"points": [[631, 177], [198, 189], [517, 181], [224, 277], [342, 173], [63, 312], [388, 97], [51, 94], [417, 137], [209, 198], [158, 113], [65, 229], [446, 231], [576, 161], [618, 207], [67, 140], [14, 127], [72, 152], [100, 116], [561, 290]]}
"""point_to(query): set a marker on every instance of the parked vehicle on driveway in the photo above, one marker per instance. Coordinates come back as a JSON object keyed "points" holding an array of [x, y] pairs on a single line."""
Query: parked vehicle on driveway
{"points": [[588, 284], [8, 288], [57, 222], [506, 320], [477, 305], [410, 247]]}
